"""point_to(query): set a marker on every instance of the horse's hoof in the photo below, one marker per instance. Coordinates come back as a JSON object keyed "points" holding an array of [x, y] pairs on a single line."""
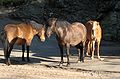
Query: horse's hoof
{"points": [[78, 61], [68, 64], [28, 60], [92, 58], [61, 63], [8, 63], [101, 59], [87, 55], [82, 60]]}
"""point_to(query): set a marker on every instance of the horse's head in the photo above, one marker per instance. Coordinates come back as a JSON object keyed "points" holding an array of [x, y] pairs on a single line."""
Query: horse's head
{"points": [[39, 30], [51, 26], [41, 33], [93, 26]]}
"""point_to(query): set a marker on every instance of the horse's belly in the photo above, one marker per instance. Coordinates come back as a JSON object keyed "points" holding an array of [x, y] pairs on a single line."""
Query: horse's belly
{"points": [[20, 41], [74, 44]]}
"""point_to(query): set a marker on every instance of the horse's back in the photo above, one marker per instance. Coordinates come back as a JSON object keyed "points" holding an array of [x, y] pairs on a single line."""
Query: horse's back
{"points": [[79, 28], [76, 33]]}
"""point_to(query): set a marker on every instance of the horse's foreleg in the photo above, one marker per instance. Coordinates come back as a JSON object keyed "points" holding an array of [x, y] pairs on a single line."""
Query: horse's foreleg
{"points": [[23, 51], [61, 52], [88, 49], [98, 51], [93, 49], [68, 53], [27, 47]]}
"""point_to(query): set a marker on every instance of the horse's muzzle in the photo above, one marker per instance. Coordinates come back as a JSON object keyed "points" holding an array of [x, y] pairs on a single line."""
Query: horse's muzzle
{"points": [[43, 39]]}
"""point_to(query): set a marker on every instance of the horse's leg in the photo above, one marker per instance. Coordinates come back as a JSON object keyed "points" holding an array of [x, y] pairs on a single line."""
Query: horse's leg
{"points": [[23, 51], [27, 47], [98, 51], [61, 52], [82, 50], [78, 50], [93, 49], [5, 44], [68, 53], [9, 49], [88, 49]]}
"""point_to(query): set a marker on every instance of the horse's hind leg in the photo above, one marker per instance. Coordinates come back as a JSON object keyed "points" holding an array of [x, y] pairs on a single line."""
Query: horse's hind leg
{"points": [[8, 54], [27, 47], [78, 50], [82, 53], [23, 51], [82, 50], [68, 54]]}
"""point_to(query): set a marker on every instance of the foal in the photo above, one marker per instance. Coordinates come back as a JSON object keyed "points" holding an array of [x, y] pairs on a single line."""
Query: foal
{"points": [[68, 35], [21, 34]]}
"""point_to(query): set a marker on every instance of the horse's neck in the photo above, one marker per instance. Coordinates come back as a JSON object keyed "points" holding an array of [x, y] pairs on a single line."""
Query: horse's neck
{"points": [[61, 28], [35, 25], [61, 31]]}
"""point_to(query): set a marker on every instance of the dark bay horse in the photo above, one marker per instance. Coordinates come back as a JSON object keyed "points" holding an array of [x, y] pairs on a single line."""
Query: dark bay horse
{"points": [[68, 35], [21, 34], [94, 35]]}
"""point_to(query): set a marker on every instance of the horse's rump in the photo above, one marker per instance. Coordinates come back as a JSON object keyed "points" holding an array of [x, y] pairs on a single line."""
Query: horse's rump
{"points": [[79, 28]]}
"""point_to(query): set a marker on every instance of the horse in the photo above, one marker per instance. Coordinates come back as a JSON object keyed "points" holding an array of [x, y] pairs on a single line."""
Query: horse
{"points": [[94, 35], [68, 35], [20, 34]]}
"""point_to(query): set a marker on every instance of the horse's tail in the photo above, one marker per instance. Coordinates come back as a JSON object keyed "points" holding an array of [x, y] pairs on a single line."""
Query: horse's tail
{"points": [[4, 40]]}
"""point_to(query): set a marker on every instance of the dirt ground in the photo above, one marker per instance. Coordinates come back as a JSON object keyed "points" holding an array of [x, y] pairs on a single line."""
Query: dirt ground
{"points": [[45, 60], [36, 71]]}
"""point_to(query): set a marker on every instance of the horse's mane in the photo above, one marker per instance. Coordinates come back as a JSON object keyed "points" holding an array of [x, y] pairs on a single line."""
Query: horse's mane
{"points": [[35, 25], [62, 24]]}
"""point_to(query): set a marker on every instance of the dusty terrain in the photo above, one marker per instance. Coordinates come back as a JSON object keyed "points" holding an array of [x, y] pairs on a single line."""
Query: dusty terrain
{"points": [[45, 58]]}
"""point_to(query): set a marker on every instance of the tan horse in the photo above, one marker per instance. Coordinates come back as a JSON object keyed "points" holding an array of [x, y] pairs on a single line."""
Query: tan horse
{"points": [[21, 34], [94, 35], [68, 35]]}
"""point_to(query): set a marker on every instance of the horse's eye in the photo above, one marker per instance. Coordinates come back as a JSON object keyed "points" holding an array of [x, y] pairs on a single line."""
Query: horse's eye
{"points": [[91, 23]]}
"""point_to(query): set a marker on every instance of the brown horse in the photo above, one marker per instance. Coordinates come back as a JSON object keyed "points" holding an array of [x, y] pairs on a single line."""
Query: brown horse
{"points": [[21, 34], [68, 35], [94, 34]]}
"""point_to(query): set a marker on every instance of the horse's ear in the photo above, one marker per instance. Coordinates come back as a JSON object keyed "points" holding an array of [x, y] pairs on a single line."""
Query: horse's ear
{"points": [[44, 26], [55, 19], [98, 23]]}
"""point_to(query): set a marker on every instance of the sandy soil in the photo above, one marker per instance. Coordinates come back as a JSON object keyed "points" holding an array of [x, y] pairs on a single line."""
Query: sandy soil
{"points": [[36, 71], [47, 70]]}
